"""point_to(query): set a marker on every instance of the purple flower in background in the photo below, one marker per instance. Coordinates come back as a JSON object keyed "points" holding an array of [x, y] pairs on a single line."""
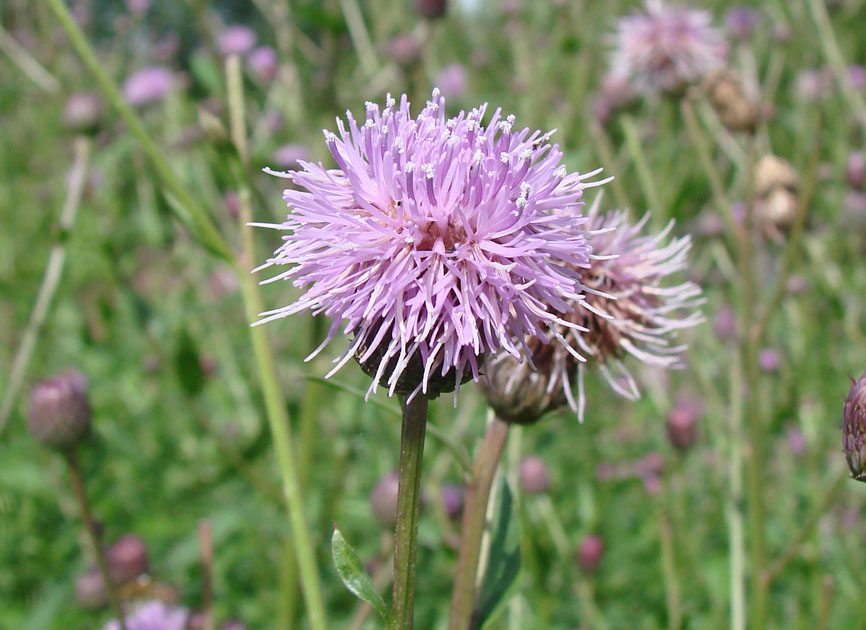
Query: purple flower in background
{"points": [[769, 360], [452, 81], [148, 85], [290, 156], [236, 40], [138, 6], [666, 48], [262, 63], [154, 615], [741, 22], [436, 242], [812, 85], [856, 77]]}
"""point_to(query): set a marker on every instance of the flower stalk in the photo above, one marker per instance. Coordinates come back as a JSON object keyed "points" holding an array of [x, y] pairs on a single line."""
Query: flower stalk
{"points": [[473, 524], [414, 430], [89, 524]]}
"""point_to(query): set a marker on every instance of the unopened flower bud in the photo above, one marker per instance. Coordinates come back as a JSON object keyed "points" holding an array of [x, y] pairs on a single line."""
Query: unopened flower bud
{"points": [[855, 169], [127, 559], [519, 394], [383, 500], [769, 360], [237, 40], [404, 50], [59, 411], [431, 9], [90, 589], [534, 477], [589, 553], [854, 429], [263, 64], [683, 421], [452, 500], [778, 209], [773, 172], [82, 112], [737, 110]]}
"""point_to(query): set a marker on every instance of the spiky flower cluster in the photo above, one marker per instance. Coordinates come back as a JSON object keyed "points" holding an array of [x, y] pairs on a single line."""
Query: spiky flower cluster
{"points": [[154, 615], [436, 242], [667, 47], [854, 429], [626, 310]]}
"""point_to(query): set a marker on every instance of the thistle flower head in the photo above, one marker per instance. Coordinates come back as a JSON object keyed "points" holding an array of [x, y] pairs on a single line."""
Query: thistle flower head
{"points": [[436, 242], [626, 309], [666, 47], [60, 415], [154, 615], [148, 85]]}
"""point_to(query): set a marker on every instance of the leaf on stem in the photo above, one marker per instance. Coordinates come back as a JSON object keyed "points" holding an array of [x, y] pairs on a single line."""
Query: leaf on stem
{"points": [[504, 564], [352, 573]]}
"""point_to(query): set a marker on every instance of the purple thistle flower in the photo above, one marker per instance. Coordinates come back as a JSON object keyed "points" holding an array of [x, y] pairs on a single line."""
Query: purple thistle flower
{"points": [[148, 85], [435, 243], [625, 311], [452, 81], [236, 40], [741, 21], [667, 48], [263, 64], [290, 156], [153, 615]]}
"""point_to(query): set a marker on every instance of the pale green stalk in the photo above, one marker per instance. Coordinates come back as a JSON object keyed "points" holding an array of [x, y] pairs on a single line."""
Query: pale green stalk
{"points": [[360, 36], [27, 63], [644, 173], [274, 402], [734, 510]]}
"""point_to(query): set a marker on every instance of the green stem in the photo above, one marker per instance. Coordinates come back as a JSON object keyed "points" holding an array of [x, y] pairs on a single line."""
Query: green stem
{"points": [[474, 521], [50, 280], [669, 571], [274, 403], [794, 547], [187, 208], [89, 525], [736, 538], [635, 147], [28, 64], [414, 429]]}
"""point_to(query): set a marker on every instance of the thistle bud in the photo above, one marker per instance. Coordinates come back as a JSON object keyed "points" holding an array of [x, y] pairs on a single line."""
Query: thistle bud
{"points": [[855, 169], [59, 411], [737, 110], [431, 9], [90, 589], [534, 477], [82, 112], [683, 421], [589, 553], [383, 500], [404, 50], [854, 429], [127, 559], [452, 500], [517, 393], [773, 172]]}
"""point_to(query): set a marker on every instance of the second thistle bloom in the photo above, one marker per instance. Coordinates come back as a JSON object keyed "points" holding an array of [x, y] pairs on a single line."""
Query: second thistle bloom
{"points": [[436, 242], [667, 48]]}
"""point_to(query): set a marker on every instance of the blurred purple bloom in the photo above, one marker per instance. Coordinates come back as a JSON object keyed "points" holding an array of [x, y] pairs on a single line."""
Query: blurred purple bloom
{"points": [[855, 169], [290, 156], [404, 50], [435, 243], [148, 85], [452, 81], [769, 360], [856, 77], [236, 40], [795, 439], [138, 6], [741, 21], [667, 47], [82, 111], [813, 84], [154, 615], [262, 63], [725, 323]]}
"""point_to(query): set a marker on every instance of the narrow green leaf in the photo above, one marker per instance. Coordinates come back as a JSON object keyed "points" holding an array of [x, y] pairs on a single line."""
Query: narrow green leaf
{"points": [[352, 573], [503, 566]]}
